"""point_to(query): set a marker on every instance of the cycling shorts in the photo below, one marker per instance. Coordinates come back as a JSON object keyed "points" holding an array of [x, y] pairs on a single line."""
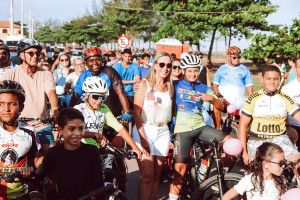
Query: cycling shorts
{"points": [[184, 140]]}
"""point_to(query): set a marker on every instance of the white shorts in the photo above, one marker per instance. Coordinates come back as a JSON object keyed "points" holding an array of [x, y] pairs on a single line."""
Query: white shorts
{"points": [[157, 137]]}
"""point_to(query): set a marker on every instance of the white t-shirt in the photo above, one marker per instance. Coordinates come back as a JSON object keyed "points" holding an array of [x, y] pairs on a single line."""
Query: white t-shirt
{"points": [[293, 90], [270, 191], [72, 79]]}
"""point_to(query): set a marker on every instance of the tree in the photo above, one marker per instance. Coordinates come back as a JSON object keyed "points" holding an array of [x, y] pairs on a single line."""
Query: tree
{"points": [[187, 25], [25, 32], [44, 34], [283, 40]]}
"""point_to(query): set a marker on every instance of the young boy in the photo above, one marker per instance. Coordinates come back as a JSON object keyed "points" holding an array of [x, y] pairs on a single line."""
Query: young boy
{"points": [[76, 166], [19, 142], [146, 67]]}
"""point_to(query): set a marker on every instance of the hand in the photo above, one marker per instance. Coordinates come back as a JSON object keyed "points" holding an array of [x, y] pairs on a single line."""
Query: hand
{"points": [[265, 59], [54, 113], [139, 153], [101, 139], [145, 147], [126, 117], [206, 97], [69, 91], [246, 159], [25, 171], [136, 87]]}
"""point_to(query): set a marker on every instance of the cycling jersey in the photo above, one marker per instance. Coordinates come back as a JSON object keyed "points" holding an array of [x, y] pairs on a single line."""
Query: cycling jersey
{"points": [[293, 90], [94, 120], [268, 112], [232, 81], [17, 148], [114, 82], [189, 105]]}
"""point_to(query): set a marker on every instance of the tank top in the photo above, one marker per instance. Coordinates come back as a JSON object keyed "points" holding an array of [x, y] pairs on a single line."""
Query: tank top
{"points": [[157, 106]]}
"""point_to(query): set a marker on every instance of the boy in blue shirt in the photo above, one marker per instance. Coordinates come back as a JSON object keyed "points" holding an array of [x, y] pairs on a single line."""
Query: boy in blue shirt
{"points": [[129, 73], [146, 67]]}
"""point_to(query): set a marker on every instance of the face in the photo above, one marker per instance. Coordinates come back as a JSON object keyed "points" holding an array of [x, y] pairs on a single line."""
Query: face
{"points": [[72, 133], [3, 56], [271, 81], [126, 57], [79, 66], [146, 60], [275, 168], [46, 67], [200, 57], [31, 56], [112, 58], [94, 63], [9, 106], [176, 72], [234, 60], [191, 74], [64, 61], [94, 103], [163, 71]]}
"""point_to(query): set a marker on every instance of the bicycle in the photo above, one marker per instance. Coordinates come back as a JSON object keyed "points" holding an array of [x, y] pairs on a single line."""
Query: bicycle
{"points": [[108, 191], [216, 186], [230, 124]]}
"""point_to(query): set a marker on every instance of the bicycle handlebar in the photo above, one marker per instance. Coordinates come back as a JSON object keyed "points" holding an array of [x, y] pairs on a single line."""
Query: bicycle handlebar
{"points": [[98, 191], [17, 177], [47, 120]]}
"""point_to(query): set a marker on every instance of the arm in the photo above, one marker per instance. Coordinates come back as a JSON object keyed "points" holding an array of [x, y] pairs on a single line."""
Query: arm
{"points": [[208, 77], [55, 79], [230, 194], [68, 87], [137, 78], [125, 135], [296, 117], [100, 138], [139, 98], [215, 88], [74, 99], [250, 90], [242, 135], [55, 65], [123, 100], [53, 101]]}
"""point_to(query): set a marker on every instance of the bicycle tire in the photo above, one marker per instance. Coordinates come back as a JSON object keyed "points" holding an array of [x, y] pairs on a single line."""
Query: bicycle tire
{"points": [[35, 195], [201, 194], [234, 132], [116, 195]]}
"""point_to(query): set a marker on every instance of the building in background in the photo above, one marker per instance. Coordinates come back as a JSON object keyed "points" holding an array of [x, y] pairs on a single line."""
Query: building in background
{"points": [[5, 30]]}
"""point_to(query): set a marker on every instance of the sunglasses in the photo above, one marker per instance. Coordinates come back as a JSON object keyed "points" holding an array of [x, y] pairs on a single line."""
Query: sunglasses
{"points": [[62, 60], [3, 53], [175, 67], [238, 57], [31, 53], [98, 97], [162, 65], [281, 163]]}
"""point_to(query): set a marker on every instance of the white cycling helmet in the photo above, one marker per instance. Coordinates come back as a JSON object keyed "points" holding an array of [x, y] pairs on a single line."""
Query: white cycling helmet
{"points": [[189, 60], [95, 84]]}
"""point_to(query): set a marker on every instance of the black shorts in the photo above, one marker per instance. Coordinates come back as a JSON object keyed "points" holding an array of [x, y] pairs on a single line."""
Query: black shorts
{"points": [[184, 140], [130, 101]]}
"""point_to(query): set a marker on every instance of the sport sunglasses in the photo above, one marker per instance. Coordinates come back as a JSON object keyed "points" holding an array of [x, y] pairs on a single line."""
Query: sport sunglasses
{"points": [[96, 97]]}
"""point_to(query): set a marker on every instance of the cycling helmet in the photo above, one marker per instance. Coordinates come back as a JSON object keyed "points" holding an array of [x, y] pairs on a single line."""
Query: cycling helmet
{"points": [[27, 43], [92, 51], [9, 86], [5, 47], [95, 84], [233, 50], [189, 60]]}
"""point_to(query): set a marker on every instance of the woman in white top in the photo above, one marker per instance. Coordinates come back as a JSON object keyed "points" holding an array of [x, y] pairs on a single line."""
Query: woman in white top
{"points": [[61, 74], [152, 112], [73, 77]]}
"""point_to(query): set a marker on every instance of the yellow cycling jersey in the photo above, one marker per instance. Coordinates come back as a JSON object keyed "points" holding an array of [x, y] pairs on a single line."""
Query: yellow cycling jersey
{"points": [[268, 112]]}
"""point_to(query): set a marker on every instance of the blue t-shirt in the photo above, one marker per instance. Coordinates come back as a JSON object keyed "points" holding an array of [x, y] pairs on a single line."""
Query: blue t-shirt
{"points": [[128, 74], [84, 75], [233, 81], [143, 71], [292, 75]]}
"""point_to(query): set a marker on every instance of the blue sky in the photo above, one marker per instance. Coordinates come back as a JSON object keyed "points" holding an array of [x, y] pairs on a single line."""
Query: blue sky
{"points": [[65, 10]]}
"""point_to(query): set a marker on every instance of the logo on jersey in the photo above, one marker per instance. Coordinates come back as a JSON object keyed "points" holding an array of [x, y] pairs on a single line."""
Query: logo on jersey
{"points": [[271, 128], [9, 157], [240, 74], [181, 107]]}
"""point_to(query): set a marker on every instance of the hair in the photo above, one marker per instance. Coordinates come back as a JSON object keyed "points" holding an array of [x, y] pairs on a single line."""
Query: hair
{"points": [[79, 59], [293, 59], [70, 70], [270, 68], [152, 77], [68, 114], [279, 60], [199, 53], [178, 60], [146, 55], [266, 151], [173, 55]]}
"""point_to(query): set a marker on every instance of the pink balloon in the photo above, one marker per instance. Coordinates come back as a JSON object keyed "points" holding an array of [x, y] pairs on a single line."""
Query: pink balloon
{"points": [[233, 147], [291, 194], [231, 108]]}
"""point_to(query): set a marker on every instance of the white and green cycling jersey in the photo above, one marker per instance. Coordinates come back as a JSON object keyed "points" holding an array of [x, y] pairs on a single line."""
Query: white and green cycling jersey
{"points": [[94, 120]]}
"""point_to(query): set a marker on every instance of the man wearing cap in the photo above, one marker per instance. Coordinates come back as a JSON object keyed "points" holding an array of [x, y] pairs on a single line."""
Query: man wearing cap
{"points": [[5, 63], [129, 73], [113, 60]]}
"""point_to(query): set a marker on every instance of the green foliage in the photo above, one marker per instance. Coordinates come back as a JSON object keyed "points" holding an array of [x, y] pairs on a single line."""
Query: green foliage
{"points": [[25, 32], [283, 41]]}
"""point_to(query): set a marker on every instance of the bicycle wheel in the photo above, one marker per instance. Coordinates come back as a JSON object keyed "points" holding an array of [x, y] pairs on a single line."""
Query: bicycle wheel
{"points": [[234, 132], [116, 195], [209, 189]]}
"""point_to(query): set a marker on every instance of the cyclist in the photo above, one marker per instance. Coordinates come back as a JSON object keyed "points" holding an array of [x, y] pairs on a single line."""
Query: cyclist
{"points": [[76, 166], [231, 81], [189, 95], [267, 110], [19, 142], [37, 83], [93, 59], [5, 62]]}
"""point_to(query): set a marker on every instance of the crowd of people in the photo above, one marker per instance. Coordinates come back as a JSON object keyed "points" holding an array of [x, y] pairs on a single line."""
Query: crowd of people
{"points": [[159, 94]]}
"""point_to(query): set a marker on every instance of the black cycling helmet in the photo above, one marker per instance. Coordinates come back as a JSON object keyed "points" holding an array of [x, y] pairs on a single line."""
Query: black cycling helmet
{"points": [[90, 52], [5, 47], [9, 86], [27, 43]]}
